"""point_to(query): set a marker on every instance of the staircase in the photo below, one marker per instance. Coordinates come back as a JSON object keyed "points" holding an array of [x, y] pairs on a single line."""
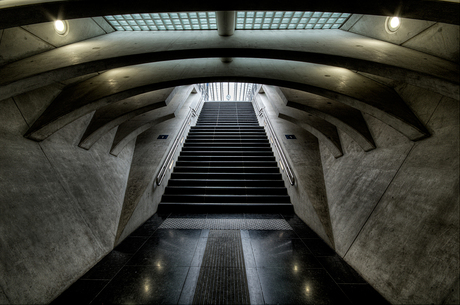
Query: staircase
{"points": [[226, 164]]}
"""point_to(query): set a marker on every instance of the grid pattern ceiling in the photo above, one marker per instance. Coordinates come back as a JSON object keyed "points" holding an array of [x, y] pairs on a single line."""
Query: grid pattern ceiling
{"points": [[244, 21]]}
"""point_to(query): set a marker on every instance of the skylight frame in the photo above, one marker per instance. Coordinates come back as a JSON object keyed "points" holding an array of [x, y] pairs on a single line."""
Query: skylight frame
{"points": [[245, 20]]}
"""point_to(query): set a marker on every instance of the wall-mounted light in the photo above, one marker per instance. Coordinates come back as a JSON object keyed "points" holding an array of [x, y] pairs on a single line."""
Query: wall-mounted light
{"points": [[61, 27], [392, 24]]}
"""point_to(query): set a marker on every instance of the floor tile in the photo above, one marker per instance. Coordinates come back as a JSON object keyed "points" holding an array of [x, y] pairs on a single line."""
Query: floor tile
{"points": [[144, 285], [302, 286], [363, 294], [204, 233], [81, 292], [109, 266], [287, 253], [131, 244], [318, 247], [199, 252], [272, 235], [248, 253], [339, 270], [255, 290], [245, 234], [168, 248], [150, 226], [300, 228], [186, 296]]}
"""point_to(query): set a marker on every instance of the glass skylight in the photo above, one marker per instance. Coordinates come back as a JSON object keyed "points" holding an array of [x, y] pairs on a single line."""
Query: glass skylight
{"points": [[244, 21], [164, 21], [289, 20], [228, 91]]}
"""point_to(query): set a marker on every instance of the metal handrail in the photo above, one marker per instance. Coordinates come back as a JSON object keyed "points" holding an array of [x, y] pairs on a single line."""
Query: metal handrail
{"points": [[283, 162], [168, 161]]}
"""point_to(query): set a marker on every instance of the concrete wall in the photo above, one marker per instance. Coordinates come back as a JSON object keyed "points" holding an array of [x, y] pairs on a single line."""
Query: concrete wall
{"points": [[149, 156], [60, 204], [394, 210]]}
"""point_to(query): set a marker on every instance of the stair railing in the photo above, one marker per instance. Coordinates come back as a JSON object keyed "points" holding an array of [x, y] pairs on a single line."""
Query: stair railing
{"points": [[274, 139], [168, 162]]}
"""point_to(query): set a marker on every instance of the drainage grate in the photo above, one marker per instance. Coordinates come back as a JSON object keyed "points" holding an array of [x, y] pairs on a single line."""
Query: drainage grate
{"points": [[222, 278], [226, 224]]}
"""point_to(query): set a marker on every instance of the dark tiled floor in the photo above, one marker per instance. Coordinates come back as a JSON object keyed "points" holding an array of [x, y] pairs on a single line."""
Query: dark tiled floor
{"points": [[161, 266]]}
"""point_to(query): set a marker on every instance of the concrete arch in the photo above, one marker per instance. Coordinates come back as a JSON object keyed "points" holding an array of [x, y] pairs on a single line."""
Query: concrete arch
{"points": [[320, 128], [133, 127], [365, 141], [328, 136], [127, 132], [336, 83], [98, 126], [20, 12], [334, 47], [108, 117], [346, 118]]}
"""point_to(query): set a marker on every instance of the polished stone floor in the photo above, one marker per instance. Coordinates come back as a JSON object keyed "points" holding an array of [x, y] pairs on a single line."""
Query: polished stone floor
{"points": [[161, 266]]}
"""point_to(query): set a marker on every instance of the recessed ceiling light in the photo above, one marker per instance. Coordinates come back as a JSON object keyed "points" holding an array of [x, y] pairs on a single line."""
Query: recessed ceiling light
{"points": [[392, 24], [61, 27]]}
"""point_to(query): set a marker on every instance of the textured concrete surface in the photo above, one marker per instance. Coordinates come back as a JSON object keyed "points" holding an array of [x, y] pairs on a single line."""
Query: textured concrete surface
{"points": [[374, 26], [343, 85], [106, 118], [140, 123], [308, 195], [444, 38], [320, 128], [356, 181], [16, 43], [438, 39], [54, 225], [333, 47], [415, 257], [3, 298], [148, 202], [346, 118], [148, 157], [79, 29]]}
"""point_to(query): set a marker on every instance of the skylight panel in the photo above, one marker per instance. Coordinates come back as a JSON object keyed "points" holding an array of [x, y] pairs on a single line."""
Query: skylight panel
{"points": [[244, 21]]}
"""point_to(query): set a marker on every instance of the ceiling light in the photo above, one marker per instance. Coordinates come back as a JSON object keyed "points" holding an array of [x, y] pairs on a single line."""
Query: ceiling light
{"points": [[392, 24], [61, 27]]}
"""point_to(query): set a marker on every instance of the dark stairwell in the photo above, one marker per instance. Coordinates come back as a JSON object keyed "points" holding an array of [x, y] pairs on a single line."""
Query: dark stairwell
{"points": [[226, 163]]}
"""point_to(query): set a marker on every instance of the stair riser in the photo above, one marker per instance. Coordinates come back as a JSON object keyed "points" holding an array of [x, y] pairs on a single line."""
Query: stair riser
{"points": [[178, 169], [226, 160], [226, 190], [224, 183], [226, 199]]}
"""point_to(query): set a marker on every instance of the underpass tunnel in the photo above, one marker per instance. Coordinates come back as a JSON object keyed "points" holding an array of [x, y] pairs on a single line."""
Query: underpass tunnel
{"points": [[365, 111]]}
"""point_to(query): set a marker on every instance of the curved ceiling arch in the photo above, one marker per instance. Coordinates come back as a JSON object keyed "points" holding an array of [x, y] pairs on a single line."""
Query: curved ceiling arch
{"points": [[333, 47], [22, 12], [345, 118], [326, 134], [129, 133], [334, 83]]}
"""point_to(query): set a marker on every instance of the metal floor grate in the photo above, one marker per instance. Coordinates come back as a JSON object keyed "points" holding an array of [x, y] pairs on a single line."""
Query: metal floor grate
{"points": [[222, 278], [225, 224]]}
